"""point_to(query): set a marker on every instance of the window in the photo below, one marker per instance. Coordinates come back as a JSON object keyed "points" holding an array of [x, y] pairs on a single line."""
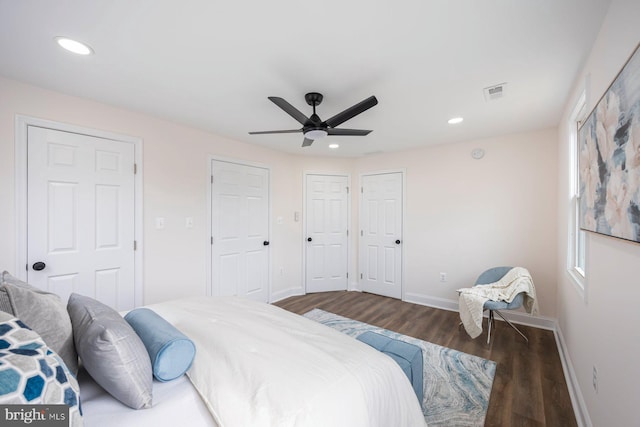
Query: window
{"points": [[577, 238]]}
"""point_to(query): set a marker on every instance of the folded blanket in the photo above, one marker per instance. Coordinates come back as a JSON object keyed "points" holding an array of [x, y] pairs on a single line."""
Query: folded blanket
{"points": [[472, 300]]}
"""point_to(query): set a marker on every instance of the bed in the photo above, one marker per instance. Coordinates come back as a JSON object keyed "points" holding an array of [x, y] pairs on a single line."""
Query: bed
{"points": [[259, 365]]}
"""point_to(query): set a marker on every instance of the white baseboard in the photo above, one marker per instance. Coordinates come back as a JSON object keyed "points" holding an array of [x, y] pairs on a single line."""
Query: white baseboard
{"points": [[286, 293], [513, 316], [435, 302], [577, 400]]}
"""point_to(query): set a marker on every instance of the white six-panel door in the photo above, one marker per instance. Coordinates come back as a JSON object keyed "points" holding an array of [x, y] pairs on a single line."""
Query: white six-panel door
{"points": [[381, 234], [240, 230], [326, 235], [80, 206]]}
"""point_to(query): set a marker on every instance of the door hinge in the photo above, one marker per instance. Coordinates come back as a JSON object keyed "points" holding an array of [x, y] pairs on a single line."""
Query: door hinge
{"points": [[135, 168], [347, 274], [212, 179], [361, 233], [26, 267], [212, 240], [361, 275], [347, 233], [347, 190], [135, 245], [362, 190]]}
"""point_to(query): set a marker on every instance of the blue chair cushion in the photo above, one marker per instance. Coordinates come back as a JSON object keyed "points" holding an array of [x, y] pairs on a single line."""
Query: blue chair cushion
{"points": [[170, 351], [407, 356]]}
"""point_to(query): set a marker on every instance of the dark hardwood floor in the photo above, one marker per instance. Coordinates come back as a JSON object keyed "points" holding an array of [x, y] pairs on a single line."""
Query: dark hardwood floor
{"points": [[529, 388]]}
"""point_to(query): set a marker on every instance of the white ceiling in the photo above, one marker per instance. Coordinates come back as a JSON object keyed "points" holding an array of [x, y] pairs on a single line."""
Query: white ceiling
{"points": [[212, 64]]}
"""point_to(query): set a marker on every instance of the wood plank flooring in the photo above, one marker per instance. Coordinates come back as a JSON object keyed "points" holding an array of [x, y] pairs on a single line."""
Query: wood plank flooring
{"points": [[529, 388]]}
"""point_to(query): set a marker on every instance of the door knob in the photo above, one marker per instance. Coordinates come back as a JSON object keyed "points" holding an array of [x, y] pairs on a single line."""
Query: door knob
{"points": [[309, 239], [266, 243], [397, 242], [39, 266]]}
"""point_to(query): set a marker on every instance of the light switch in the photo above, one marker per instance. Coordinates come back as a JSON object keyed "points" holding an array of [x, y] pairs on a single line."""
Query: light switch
{"points": [[188, 222], [159, 223], [296, 216]]}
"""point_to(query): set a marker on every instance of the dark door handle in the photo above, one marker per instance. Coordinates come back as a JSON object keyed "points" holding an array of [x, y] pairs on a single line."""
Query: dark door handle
{"points": [[39, 266], [266, 243], [397, 242], [309, 239]]}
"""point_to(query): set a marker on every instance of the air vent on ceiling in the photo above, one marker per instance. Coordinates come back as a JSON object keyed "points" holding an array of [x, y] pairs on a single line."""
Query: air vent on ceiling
{"points": [[495, 92]]}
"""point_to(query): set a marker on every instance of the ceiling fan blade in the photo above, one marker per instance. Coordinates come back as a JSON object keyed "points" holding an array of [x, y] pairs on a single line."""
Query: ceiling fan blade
{"points": [[289, 109], [354, 132], [307, 142], [263, 132], [352, 111]]}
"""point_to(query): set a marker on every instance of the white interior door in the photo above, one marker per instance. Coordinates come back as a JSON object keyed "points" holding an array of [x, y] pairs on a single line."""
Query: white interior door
{"points": [[240, 230], [80, 204], [326, 234], [381, 234]]}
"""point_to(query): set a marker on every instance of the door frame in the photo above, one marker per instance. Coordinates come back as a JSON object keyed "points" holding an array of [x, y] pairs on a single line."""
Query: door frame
{"points": [[403, 172], [304, 224], [209, 263], [22, 123]]}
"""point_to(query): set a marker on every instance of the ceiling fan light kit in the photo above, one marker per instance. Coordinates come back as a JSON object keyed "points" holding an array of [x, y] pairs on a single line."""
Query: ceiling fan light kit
{"points": [[313, 127]]}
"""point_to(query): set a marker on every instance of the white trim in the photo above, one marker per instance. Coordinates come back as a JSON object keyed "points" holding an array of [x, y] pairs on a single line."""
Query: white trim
{"points": [[577, 399], [286, 293], [21, 125], [578, 280], [518, 317], [208, 263], [305, 174], [403, 233]]}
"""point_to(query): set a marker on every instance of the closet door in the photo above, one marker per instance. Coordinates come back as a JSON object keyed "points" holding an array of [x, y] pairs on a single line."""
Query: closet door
{"points": [[240, 230], [381, 234], [327, 222], [80, 225]]}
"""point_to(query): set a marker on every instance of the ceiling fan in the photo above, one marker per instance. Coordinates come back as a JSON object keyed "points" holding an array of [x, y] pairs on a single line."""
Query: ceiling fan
{"points": [[313, 127]]}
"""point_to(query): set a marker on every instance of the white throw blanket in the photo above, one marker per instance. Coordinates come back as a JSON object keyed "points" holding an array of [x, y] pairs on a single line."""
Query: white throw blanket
{"points": [[472, 300]]}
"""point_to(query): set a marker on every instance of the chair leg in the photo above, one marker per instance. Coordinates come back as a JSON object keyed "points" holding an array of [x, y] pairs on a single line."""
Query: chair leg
{"points": [[513, 326], [489, 324]]}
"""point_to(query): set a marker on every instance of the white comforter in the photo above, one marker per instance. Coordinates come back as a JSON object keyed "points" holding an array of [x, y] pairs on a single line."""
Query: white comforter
{"points": [[258, 365]]}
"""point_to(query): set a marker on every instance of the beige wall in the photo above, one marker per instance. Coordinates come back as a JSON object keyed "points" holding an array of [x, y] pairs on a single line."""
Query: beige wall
{"points": [[602, 331], [175, 163], [462, 215]]}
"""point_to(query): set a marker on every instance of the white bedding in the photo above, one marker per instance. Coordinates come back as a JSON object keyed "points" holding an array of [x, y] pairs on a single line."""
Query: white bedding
{"points": [[175, 403], [258, 365]]}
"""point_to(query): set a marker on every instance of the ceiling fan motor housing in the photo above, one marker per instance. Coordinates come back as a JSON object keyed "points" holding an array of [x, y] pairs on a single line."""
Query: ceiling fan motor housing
{"points": [[313, 98]]}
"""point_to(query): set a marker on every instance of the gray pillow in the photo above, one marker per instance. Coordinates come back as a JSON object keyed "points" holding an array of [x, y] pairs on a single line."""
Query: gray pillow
{"points": [[111, 351], [43, 312]]}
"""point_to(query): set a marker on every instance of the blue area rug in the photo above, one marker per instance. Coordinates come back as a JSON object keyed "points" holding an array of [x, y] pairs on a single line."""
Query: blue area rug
{"points": [[457, 385]]}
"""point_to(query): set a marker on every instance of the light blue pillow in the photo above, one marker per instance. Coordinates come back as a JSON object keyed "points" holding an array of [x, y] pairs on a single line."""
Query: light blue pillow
{"points": [[170, 351]]}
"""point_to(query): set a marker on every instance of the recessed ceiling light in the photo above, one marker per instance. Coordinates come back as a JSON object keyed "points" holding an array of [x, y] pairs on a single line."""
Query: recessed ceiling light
{"points": [[74, 46], [455, 120], [334, 146]]}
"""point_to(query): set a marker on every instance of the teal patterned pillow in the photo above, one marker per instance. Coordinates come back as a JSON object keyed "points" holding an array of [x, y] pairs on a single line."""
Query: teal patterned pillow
{"points": [[31, 373]]}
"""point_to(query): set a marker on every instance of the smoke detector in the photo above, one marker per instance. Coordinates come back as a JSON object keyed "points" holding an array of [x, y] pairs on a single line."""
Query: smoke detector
{"points": [[494, 92]]}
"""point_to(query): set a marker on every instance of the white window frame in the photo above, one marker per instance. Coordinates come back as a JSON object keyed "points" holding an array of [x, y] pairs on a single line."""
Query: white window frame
{"points": [[577, 238]]}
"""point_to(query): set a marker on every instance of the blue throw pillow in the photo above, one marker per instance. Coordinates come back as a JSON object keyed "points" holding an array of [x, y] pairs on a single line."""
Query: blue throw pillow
{"points": [[33, 374], [171, 352]]}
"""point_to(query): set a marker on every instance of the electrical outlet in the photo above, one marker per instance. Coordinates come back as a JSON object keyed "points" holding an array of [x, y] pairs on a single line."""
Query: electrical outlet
{"points": [[443, 277], [595, 379]]}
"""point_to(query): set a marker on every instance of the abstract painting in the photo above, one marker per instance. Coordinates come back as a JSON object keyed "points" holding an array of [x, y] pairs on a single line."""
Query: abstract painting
{"points": [[609, 162]]}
